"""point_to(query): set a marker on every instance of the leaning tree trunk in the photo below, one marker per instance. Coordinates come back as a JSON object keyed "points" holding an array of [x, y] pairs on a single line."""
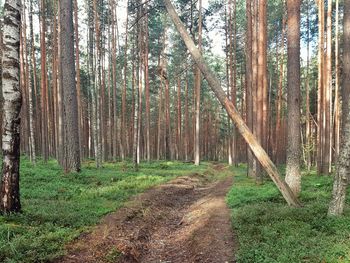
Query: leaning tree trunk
{"points": [[9, 195], [214, 83], [341, 181], [71, 145]]}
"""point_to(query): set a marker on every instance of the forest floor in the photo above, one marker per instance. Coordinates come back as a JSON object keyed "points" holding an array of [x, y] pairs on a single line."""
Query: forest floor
{"points": [[169, 212], [270, 231], [184, 220], [57, 207]]}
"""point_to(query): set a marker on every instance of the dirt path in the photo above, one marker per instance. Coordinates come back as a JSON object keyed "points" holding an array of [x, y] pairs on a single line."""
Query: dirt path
{"points": [[185, 220]]}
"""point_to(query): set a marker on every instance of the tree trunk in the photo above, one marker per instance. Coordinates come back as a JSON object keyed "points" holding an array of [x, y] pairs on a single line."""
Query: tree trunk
{"points": [[327, 156], [265, 88], [77, 65], [135, 113], [179, 120], [97, 84], [33, 62], [293, 176], [187, 125], [198, 91], [336, 91], [124, 140], [278, 131], [160, 115], [214, 83], [1, 49], [44, 114], [114, 86], [341, 180], [147, 99], [60, 105], [30, 98], [71, 144], [249, 80], [307, 91], [11, 92], [255, 81], [320, 109]]}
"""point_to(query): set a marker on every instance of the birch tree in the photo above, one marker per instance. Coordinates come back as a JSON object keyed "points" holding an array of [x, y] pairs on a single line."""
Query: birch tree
{"points": [[9, 194]]}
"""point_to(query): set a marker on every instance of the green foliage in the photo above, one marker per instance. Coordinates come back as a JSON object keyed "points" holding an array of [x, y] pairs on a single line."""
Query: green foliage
{"points": [[113, 255], [270, 231], [57, 207]]}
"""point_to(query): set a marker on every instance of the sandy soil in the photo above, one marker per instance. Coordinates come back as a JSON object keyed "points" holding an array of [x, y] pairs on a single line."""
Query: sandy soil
{"points": [[185, 220]]}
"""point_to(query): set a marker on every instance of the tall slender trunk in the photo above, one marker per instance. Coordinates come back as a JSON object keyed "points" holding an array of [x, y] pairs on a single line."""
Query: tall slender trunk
{"points": [[233, 72], [147, 99], [293, 175], [60, 106], [27, 86], [139, 76], [228, 75], [35, 88], [261, 75], [168, 139], [92, 82], [114, 86], [336, 90], [327, 152], [160, 114], [54, 83], [255, 62], [320, 95], [31, 71], [187, 125], [98, 84], [341, 180], [71, 143], [44, 95], [179, 120], [135, 122], [78, 79], [11, 92], [139, 97], [249, 81], [124, 141], [307, 91], [265, 102], [198, 91], [1, 98]]}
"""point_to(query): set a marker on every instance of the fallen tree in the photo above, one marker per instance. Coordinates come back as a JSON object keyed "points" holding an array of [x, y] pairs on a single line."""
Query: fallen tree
{"points": [[213, 82]]}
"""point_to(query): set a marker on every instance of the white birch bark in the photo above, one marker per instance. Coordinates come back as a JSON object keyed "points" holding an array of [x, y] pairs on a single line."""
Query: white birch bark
{"points": [[9, 195]]}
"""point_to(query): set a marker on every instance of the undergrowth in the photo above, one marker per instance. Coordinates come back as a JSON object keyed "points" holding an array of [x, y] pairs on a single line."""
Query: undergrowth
{"points": [[57, 207], [269, 231]]}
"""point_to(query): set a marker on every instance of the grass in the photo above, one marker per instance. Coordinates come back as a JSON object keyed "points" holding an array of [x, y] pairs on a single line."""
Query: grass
{"points": [[270, 231], [58, 207]]}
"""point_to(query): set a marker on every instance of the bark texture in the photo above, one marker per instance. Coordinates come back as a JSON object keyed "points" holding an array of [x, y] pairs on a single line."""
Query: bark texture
{"points": [[9, 195], [249, 80], [342, 175], [72, 149], [293, 177], [198, 91]]}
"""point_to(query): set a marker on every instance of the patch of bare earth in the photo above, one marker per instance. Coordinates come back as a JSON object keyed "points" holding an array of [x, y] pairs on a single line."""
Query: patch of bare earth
{"points": [[185, 220]]}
